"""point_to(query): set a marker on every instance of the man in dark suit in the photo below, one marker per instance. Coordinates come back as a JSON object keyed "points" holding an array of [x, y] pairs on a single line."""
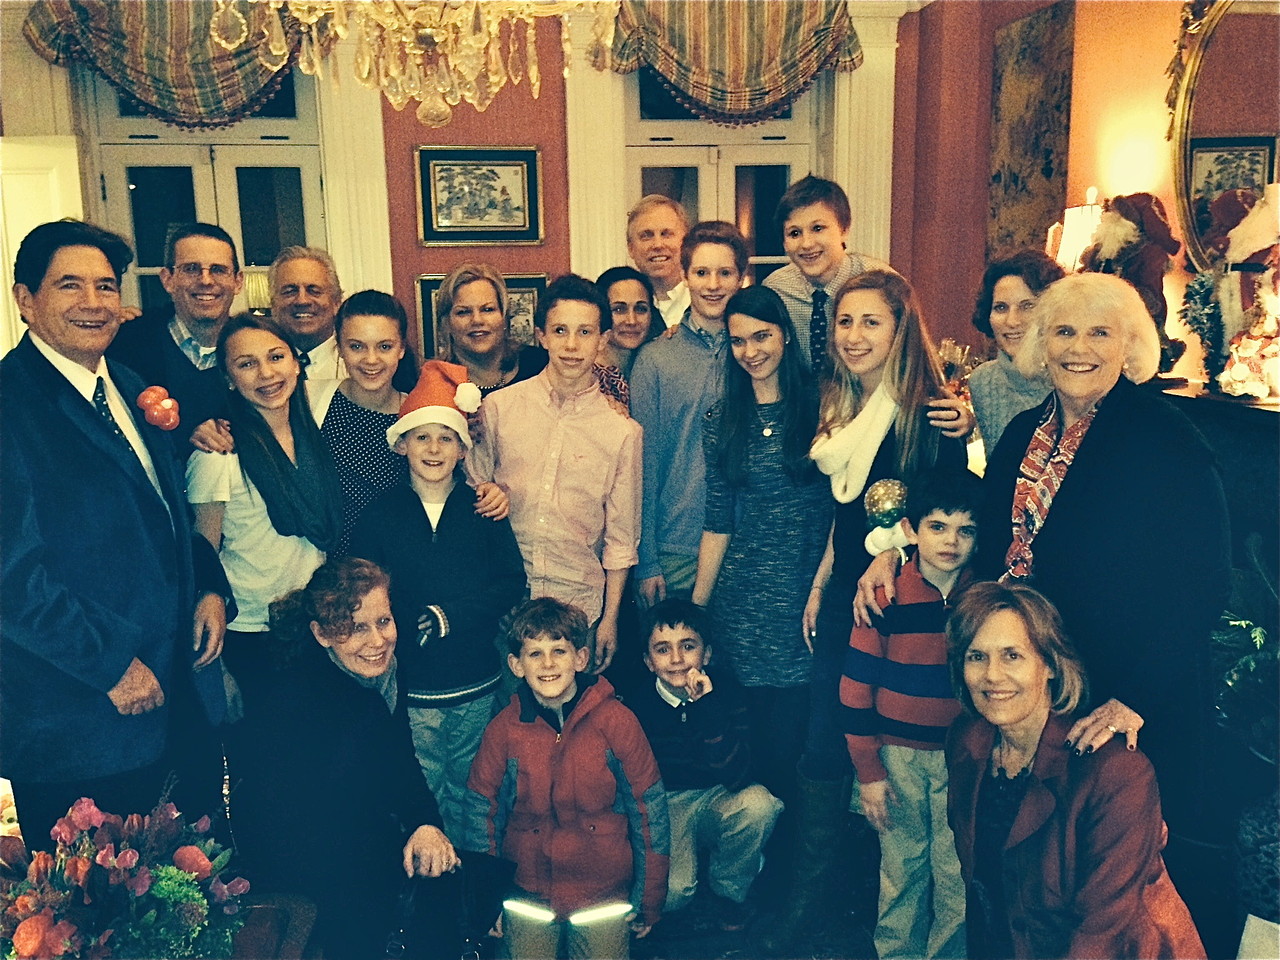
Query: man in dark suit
{"points": [[104, 591], [175, 347]]}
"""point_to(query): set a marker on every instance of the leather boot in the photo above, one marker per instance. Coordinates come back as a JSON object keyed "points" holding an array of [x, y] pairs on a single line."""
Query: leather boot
{"points": [[821, 806]]}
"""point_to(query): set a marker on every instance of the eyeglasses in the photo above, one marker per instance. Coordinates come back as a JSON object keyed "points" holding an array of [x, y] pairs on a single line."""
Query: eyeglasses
{"points": [[219, 271]]}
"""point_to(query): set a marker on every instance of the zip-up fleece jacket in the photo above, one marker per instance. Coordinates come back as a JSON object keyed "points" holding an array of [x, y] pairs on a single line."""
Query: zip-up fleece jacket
{"points": [[464, 576], [581, 811]]}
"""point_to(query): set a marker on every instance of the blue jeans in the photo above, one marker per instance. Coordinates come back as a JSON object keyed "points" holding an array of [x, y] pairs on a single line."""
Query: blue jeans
{"points": [[446, 741]]}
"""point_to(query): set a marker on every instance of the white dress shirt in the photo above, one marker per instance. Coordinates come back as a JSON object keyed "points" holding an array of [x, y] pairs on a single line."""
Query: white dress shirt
{"points": [[324, 363], [85, 382], [673, 305]]}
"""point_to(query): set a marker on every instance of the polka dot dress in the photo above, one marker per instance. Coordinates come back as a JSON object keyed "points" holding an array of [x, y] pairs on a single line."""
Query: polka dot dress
{"points": [[357, 439]]}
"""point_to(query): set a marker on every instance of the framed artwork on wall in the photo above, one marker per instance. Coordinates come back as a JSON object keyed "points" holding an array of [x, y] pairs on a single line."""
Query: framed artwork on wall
{"points": [[523, 290], [479, 195], [1030, 108], [1221, 164]]}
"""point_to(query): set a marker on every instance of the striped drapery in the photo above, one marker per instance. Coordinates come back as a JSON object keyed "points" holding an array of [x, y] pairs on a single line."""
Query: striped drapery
{"points": [[735, 61], [160, 55]]}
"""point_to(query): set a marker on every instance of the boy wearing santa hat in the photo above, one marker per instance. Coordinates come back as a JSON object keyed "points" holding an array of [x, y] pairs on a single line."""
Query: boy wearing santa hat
{"points": [[454, 575]]}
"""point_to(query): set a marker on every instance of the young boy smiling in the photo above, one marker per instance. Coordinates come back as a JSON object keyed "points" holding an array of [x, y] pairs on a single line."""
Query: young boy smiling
{"points": [[698, 730], [570, 463], [898, 702], [565, 785], [454, 574]]}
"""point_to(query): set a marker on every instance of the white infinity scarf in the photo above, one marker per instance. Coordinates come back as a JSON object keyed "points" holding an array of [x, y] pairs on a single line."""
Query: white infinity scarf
{"points": [[846, 454]]}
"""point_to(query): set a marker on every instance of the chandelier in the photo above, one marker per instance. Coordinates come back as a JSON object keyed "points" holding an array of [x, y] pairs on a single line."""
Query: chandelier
{"points": [[438, 53]]}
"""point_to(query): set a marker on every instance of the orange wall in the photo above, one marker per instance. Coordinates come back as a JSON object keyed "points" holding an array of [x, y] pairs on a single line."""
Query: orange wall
{"points": [[1118, 114], [1119, 120], [515, 119]]}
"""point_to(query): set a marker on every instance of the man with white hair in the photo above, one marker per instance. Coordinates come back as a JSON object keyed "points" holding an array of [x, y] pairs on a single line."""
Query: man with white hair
{"points": [[305, 296]]}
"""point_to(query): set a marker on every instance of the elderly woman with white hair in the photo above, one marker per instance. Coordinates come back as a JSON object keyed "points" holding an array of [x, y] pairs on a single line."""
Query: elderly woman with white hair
{"points": [[1107, 500]]}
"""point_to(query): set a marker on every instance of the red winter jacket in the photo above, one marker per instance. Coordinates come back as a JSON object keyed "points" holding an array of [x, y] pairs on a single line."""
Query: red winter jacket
{"points": [[582, 813]]}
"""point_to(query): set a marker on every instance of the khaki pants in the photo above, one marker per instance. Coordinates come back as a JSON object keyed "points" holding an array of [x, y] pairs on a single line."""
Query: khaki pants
{"points": [[922, 897], [526, 938]]}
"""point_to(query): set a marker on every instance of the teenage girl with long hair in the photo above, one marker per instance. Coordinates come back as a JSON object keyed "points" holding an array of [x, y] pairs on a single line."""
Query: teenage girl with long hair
{"points": [[273, 507], [768, 514], [874, 423]]}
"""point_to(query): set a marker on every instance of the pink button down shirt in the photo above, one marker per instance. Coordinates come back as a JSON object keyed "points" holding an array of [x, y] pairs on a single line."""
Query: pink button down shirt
{"points": [[571, 466]]}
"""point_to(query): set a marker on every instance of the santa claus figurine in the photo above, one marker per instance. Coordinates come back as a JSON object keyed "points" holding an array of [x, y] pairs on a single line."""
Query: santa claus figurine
{"points": [[1249, 297], [1134, 242]]}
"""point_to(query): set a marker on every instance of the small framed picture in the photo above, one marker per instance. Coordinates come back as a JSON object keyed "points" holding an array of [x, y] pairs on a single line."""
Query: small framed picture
{"points": [[479, 195], [523, 290], [1220, 164]]}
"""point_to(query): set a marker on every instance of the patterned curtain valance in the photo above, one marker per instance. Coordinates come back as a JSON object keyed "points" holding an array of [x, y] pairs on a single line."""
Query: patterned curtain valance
{"points": [[735, 61], [160, 54]]}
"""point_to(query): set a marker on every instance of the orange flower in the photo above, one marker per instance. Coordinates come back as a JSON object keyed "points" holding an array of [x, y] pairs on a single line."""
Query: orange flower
{"points": [[77, 870], [28, 938], [25, 905], [41, 867], [62, 938], [192, 860]]}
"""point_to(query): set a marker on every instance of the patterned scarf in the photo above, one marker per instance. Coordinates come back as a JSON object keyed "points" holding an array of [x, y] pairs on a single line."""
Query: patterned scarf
{"points": [[1043, 469]]}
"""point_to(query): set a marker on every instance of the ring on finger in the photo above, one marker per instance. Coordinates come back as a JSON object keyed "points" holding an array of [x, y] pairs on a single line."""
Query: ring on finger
{"points": [[1112, 728]]}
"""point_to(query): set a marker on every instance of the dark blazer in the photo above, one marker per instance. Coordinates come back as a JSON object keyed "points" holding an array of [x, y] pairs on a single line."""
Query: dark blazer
{"points": [[1083, 875], [1136, 555], [95, 571]]}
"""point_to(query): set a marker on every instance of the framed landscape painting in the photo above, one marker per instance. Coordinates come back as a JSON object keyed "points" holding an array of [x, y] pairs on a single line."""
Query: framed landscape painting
{"points": [[1220, 164], [479, 195]]}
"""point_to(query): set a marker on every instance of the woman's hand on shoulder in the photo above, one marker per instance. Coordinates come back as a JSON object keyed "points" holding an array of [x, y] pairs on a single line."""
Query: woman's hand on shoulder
{"points": [[213, 436], [492, 501], [952, 416], [880, 574], [1089, 733], [428, 853]]}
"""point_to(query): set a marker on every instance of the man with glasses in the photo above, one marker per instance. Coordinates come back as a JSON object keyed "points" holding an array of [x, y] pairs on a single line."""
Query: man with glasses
{"points": [[175, 348]]}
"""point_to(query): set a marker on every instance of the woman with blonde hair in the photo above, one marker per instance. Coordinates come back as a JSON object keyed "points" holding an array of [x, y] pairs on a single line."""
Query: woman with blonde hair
{"points": [[474, 329], [474, 308], [885, 413]]}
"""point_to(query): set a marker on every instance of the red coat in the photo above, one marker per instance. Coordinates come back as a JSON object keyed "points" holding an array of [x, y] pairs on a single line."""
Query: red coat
{"points": [[1083, 875], [582, 813]]}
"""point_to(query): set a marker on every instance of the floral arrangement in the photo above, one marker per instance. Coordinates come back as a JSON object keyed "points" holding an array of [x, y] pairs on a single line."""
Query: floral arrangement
{"points": [[123, 887]]}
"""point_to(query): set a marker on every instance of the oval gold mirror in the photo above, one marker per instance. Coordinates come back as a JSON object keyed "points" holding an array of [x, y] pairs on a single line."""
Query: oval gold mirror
{"points": [[1227, 114]]}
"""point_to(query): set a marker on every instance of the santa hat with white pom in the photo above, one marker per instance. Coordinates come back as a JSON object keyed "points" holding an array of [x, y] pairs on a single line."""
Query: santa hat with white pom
{"points": [[443, 395]]}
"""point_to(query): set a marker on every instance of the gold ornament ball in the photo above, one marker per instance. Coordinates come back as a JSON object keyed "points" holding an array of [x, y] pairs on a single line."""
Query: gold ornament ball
{"points": [[886, 502]]}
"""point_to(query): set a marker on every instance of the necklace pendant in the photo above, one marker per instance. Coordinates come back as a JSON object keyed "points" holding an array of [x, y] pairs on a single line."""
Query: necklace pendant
{"points": [[767, 432]]}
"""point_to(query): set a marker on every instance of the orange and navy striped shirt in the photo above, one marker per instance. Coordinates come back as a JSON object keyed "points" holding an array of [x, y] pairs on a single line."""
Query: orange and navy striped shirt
{"points": [[895, 687]]}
